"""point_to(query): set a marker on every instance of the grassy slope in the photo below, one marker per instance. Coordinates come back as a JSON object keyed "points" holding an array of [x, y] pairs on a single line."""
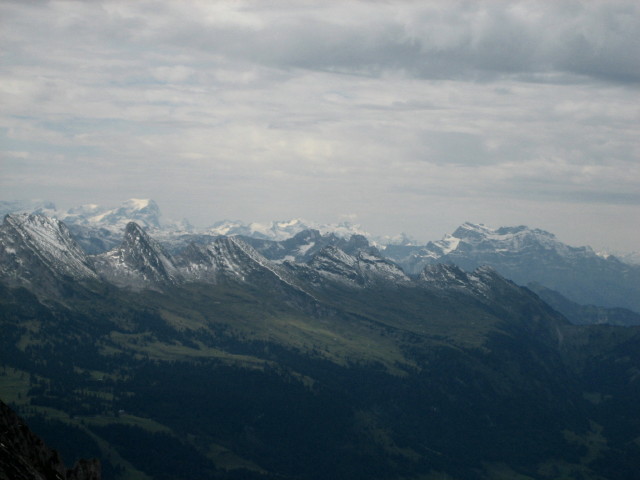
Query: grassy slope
{"points": [[363, 341]]}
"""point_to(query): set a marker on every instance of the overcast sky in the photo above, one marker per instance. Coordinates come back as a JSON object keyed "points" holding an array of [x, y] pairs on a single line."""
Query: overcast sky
{"points": [[400, 116]]}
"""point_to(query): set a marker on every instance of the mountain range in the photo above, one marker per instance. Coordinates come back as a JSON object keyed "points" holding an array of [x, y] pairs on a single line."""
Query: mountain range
{"points": [[523, 255], [317, 356], [527, 255]]}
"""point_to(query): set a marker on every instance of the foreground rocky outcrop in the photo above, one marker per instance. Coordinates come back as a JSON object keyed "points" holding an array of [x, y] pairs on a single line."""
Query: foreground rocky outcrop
{"points": [[24, 456]]}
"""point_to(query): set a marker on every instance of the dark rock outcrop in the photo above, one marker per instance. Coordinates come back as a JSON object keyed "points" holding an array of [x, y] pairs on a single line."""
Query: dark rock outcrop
{"points": [[24, 456]]}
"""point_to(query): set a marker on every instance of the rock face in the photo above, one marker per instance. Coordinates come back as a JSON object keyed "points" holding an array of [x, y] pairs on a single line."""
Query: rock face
{"points": [[360, 269], [303, 246], [38, 252], [450, 277], [24, 456], [139, 262], [225, 258]]}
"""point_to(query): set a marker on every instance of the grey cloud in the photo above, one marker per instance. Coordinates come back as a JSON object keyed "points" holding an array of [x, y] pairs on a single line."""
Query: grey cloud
{"points": [[480, 40], [477, 40], [455, 148], [560, 192]]}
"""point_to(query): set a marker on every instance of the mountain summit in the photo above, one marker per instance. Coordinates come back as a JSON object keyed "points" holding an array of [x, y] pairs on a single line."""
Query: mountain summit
{"points": [[39, 252], [282, 230], [145, 212], [527, 255], [138, 262]]}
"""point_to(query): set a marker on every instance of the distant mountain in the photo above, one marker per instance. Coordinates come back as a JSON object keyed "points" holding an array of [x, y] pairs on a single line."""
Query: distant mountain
{"points": [[281, 230], [527, 255], [471, 241], [585, 314], [99, 229], [145, 212], [27, 206], [632, 258]]}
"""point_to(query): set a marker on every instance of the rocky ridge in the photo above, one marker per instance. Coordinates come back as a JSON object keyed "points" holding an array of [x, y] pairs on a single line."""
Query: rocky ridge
{"points": [[519, 253], [140, 262], [527, 255], [40, 250]]}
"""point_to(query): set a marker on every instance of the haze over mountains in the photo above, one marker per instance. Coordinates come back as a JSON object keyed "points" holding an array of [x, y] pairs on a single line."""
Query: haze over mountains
{"points": [[147, 214], [524, 255], [173, 353]]}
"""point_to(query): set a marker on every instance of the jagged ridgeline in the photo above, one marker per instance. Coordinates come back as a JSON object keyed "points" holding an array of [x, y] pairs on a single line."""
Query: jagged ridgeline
{"points": [[312, 357]]}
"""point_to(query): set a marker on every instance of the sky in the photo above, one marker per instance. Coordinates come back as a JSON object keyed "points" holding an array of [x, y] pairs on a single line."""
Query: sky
{"points": [[400, 116]]}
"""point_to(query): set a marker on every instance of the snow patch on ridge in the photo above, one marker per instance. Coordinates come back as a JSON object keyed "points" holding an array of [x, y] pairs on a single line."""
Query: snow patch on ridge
{"points": [[48, 242]]}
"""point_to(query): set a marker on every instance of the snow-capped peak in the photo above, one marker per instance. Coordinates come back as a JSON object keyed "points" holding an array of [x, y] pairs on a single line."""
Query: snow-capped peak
{"points": [[90, 209], [360, 269], [446, 277], [143, 211], [27, 206], [138, 262], [31, 242], [448, 244], [476, 233], [480, 237], [139, 204], [288, 224], [282, 229], [402, 239]]}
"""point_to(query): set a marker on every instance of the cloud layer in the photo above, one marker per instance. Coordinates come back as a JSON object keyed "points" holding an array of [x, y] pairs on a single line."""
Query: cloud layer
{"points": [[413, 116]]}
